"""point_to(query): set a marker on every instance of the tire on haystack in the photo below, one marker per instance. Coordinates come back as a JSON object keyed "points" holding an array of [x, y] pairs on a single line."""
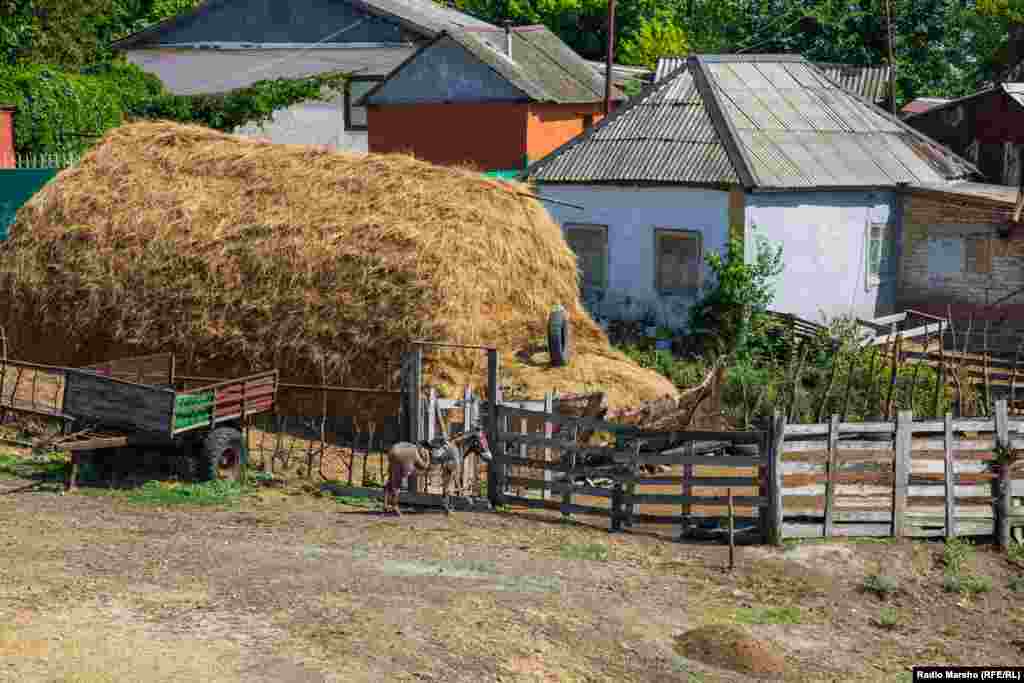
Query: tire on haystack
{"points": [[240, 256]]}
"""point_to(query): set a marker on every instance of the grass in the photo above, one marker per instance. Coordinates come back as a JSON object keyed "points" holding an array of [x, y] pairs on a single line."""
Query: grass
{"points": [[47, 468], [881, 585], [768, 615], [888, 618], [967, 584], [355, 501], [585, 551], [1015, 553], [955, 554], [1016, 584], [209, 493]]}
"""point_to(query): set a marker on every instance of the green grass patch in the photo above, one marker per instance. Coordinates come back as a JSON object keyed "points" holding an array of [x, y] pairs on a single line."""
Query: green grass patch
{"points": [[881, 585], [1015, 553], [768, 615], [955, 554], [356, 501], [966, 584], [888, 618], [1016, 584], [41, 468], [585, 551], [174, 493]]}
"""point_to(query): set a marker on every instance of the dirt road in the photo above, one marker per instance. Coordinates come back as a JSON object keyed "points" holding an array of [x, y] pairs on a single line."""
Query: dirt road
{"points": [[285, 586]]}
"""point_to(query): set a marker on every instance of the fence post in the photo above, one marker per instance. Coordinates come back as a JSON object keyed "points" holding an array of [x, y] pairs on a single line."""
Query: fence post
{"points": [[1004, 500], [467, 425], [415, 399], [950, 476], [830, 475], [687, 488], [549, 408], [495, 482], [778, 435], [904, 425]]}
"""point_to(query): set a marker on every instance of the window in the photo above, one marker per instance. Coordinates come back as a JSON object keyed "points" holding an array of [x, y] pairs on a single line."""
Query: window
{"points": [[590, 244], [879, 251], [678, 261], [355, 117]]}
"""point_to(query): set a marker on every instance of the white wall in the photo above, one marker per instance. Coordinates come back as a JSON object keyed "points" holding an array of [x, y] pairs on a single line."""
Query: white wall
{"points": [[632, 214], [824, 249], [193, 71]]}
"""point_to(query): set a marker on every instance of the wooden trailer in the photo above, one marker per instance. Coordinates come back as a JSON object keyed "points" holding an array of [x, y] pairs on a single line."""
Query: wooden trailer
{"points": [[200, 429]]}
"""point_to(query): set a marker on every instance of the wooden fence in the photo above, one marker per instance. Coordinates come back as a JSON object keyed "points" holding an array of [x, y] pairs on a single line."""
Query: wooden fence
{"points": [[903, 478], [676, 498]]}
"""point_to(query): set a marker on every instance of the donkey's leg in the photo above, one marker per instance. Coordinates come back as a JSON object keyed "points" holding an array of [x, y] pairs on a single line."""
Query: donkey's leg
{"points": [[446, 479]]}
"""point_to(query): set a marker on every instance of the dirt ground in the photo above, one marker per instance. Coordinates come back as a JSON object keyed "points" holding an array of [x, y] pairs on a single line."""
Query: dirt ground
{"points": [[288, 585]]}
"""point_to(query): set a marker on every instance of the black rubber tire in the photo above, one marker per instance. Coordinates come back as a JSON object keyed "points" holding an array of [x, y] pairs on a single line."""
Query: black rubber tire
{"points": [[185, 466], [222, 455], [559, 338]]}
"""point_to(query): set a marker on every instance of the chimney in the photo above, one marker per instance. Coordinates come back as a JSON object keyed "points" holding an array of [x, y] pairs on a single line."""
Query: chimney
{"points": [[508, 38]]}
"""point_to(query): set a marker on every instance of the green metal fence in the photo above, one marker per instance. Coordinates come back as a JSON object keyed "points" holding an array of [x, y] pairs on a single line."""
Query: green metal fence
{"points": [[17, 185]]}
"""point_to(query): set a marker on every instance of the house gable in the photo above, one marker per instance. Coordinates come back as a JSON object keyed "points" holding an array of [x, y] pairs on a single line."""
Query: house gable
{"points": [[444, 71]]}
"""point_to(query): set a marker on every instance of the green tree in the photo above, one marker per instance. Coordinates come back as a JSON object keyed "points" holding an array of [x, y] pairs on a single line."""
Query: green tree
{"points": [[656, 37]]}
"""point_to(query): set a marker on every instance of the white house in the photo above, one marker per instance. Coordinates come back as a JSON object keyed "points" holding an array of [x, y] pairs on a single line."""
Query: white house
{"points": [[749, 145], [222, 45]]}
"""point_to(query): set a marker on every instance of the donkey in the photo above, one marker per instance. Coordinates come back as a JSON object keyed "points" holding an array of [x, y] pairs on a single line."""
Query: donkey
{"points": [[405, 457]]}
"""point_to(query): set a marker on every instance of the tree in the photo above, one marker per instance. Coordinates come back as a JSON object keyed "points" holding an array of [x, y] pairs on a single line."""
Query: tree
{"points": [[656, 37]]}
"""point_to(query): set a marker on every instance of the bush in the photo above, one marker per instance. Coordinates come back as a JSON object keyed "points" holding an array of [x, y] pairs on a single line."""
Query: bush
{"points": [[888, 618], [971, 585], [881, 585], [683, 372]]}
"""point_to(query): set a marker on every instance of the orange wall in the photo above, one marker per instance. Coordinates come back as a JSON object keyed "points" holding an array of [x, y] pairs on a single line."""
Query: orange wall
{"points": [[491, 136], [552, 125], [6, 139]]}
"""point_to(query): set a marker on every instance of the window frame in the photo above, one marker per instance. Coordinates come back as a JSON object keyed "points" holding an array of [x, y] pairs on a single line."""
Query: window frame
{"points": [[347, 106], [687, 234], [602, 229], [886, 253]]}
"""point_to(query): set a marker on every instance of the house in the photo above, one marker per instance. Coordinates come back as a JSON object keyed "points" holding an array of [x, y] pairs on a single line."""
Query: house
{"points": [[222, 45], [7, 159], [746, 146], [494, 98], [921, 104], [986, 128], [961, 254], [870, 82]]}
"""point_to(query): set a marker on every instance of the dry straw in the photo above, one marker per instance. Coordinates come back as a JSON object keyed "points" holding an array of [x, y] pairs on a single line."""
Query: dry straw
{"points": [[240, 255]]}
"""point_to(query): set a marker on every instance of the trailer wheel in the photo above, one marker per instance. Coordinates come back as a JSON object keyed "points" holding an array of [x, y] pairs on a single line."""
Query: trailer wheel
{"points": [[222, 454], [185, 466]]}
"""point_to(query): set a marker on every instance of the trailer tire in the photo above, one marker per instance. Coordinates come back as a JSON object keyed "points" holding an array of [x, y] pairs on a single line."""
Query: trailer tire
{"points": [[185, 466], [222, 455], [558, 337]]}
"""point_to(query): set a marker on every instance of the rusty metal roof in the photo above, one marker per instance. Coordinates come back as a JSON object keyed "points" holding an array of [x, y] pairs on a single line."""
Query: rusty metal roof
{"points": [[763, 121], [922, 104], [870, 82]]}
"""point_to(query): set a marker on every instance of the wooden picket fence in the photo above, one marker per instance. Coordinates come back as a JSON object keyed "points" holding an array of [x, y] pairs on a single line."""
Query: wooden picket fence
{"points": [[700, 494], [904, 478]]}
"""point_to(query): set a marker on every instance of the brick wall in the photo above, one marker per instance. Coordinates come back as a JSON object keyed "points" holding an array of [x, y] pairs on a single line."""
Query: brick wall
{"points": [[490, 136], [6, 138], [964, 233]]}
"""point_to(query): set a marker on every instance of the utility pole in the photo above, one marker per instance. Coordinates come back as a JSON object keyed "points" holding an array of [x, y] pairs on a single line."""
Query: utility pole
{"points": [[608, 65], [892, 62]]}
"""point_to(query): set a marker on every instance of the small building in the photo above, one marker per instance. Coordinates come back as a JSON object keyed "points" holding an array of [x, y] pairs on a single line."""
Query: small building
{"points": [[868, 81], [496, 99], [741, 146], [7, 158], [986, 128], [224, 45]]}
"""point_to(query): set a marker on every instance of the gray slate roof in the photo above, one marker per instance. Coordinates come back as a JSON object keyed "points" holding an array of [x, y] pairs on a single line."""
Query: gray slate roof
{"points": [[425, 17], [761, 121], [542, 67], [870, 82]]}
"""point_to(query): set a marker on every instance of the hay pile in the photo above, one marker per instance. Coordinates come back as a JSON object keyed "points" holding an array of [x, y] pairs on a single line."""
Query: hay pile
{"points": [[240, 255]]}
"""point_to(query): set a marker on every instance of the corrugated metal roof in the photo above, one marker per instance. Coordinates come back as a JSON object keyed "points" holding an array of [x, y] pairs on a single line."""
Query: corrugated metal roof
{"points": [[782, 120], [541, 65], [620, 73], [921, 104], [666, 136], [870, 82], [996, 193]]}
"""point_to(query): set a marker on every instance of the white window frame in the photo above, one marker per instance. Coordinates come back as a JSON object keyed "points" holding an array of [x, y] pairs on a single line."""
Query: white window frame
{"points": [[685, 234], [880, 272], [603, 231]]}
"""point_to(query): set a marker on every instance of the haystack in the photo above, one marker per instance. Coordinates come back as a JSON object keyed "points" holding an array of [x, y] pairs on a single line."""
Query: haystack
{"points": [[240, 255]]}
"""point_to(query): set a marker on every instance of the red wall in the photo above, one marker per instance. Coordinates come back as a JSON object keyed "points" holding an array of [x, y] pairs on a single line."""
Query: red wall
{"points": [[6, 138], [491, 136]]}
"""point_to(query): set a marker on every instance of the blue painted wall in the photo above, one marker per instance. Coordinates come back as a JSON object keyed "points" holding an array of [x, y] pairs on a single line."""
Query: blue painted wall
{"points": [[17, 185], [824, 238]]}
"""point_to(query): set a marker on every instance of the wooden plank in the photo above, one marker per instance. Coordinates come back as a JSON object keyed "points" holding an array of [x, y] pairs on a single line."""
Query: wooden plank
{"points": [[93, 444], [959, 425], [561, 444], [1004, 501], [533, 463], [840, 478], [589, 423], [938, 490], [558, 486], [669, 499], [570, 509], [904, 423], [114, 403], [778, 435], [495, 488], [712, 460], [549, 408], [806, 530], [807, 430], [1017, 488], [830, 472]]}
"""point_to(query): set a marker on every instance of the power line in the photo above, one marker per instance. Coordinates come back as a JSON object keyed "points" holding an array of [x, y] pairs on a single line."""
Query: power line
{"points": [[770, 25]]}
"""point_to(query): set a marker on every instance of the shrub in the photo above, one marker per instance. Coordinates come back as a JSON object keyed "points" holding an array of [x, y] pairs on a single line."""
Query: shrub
{"points": [[888, 618], [971, 585], [956, 552], [1016, 584], [881, 585]]}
